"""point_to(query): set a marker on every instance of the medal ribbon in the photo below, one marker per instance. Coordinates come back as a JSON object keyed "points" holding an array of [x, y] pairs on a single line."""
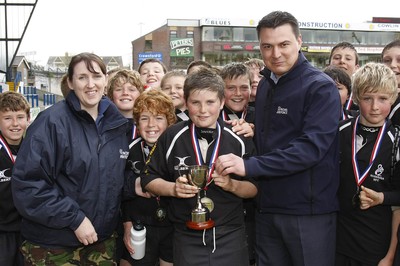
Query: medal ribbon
{"points": [[8, 150], [349, 102], [226, 118], [134, 132], [197, 150], [344, 116], [360, 178]]}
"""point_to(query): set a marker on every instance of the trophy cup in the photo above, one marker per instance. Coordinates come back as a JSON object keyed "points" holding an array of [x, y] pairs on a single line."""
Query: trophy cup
{"points": [[198, 176]]}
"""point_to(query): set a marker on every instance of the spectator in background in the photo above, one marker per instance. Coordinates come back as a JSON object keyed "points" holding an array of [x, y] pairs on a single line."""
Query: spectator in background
{"points": [[153, 113], [172, 84], [344, 55], [343, 83], [151, 72], [296, 132], [391, 57], [255, 65], [14, 119], [70, 191]]}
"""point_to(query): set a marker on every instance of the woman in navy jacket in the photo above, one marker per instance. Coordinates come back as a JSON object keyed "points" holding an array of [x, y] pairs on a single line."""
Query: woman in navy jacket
{"points": [[68, 179]]}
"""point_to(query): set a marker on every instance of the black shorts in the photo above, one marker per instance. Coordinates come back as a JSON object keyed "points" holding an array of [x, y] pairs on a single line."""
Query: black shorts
{"points": [[228, 247]]}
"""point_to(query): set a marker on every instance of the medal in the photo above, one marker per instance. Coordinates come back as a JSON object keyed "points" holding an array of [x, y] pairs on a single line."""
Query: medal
{"points": [[161, 213], [208, 203], [361, 176]]}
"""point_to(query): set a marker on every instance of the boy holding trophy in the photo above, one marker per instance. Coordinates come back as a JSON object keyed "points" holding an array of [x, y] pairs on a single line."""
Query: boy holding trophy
{"points": [[206, 208]]}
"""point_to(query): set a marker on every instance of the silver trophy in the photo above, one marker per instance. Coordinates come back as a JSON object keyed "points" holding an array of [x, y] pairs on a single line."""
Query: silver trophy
{"points": [[198, 176]]}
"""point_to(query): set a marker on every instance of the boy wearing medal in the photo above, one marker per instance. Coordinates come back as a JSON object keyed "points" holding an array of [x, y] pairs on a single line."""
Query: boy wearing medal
{"points": [[237, 91], [199, 141], [14, 119], [153, 112], [366, 145]]}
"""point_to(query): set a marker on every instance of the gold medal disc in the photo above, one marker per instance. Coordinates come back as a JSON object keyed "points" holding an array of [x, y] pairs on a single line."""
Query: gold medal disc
{"points": [[208, 203]]}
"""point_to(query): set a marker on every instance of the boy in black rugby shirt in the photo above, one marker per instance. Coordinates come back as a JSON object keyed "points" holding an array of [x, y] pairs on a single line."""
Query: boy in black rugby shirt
{"points": [[199, 141], [153, 112], [237, 91], [14, 119], [366, 148]]}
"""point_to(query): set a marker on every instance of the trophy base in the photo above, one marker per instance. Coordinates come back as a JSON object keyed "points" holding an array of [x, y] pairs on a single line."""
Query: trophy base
{"points": [[200, 225]]}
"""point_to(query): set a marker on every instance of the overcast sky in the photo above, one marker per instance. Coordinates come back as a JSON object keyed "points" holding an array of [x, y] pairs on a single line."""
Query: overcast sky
{"points": [[107, 27]]}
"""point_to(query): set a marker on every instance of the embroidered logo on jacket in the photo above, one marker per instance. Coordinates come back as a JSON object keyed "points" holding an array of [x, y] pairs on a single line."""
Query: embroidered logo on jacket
{"points": [[282, 111], [123, 154]]}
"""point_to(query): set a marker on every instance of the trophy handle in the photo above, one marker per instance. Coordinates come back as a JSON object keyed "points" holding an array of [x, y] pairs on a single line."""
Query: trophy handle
{"points": [[209, 174]]}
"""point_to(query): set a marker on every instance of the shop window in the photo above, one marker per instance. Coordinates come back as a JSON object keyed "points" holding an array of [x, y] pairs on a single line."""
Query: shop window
{"points": [[173, 34], [148, 45]]}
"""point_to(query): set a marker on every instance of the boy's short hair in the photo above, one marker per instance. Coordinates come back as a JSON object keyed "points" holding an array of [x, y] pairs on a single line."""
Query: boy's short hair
{"points": [[14, 102], [204, 79], [342, 45], [255, 62], [172, 73], [394, 43], [121, 77], [157, 103], [198, 63], [235, 70], [374, 78], [152, 60], [339, 75]]}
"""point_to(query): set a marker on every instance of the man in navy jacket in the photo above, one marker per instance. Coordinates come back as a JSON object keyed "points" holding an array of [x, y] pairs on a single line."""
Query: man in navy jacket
{"points": [[297, 115]]}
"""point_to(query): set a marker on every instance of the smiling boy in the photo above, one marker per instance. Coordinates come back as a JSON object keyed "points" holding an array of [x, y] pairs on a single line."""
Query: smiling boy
{"points": [[14, 119]]}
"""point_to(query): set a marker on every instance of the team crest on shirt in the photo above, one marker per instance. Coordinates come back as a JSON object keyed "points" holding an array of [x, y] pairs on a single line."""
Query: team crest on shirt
{"points": [[378, 173], [136, 166], [181, 166], [3, 176]]}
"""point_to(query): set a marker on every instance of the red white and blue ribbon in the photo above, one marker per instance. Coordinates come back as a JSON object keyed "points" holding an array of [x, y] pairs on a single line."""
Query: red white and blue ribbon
{"points": [[8, 150], [226, 117], [349, 102], [344, 116], [197, 150], [358, 176], [134, 132]]}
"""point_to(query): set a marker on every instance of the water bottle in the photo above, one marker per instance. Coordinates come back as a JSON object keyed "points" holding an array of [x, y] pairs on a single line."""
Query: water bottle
{"points": [[138, 240]]}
